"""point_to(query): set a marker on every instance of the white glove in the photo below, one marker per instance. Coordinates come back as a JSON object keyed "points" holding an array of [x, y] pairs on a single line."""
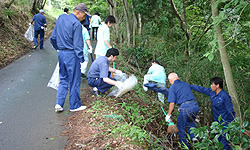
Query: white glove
{"points": [[167, 118], [29, 24], [119, 84], [42, 27], [90, 49], [45, 29], [118, 72]]}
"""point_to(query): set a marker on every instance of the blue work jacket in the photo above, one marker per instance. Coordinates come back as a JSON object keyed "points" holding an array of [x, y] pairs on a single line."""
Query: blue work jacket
{"points": [[221, 103], [180, 92], [39, 20], [67, 35]]}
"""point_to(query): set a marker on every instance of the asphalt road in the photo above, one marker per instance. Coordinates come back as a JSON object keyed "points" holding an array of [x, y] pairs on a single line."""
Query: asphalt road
{"points": [[27, 117]]}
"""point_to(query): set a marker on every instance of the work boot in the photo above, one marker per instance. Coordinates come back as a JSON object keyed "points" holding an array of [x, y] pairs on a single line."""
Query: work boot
{"points": [[78, 109]]}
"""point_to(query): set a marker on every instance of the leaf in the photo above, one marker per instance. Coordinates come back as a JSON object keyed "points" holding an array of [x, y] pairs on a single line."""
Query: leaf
{"points": [[228, 137], [210, 57], [245, 123], [51, 138], [219, 118]]}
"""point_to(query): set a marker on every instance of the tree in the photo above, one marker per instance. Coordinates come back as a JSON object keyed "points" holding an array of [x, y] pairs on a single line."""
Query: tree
{"points": [[225, 61]]}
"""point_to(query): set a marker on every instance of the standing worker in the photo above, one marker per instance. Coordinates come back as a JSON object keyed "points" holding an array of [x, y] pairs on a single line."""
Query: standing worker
{"points": [[157, 74], [67, 38], [95, 22], [181, 94], [87, 48], [221, 104], [103, 34], [98, 73], [87, 23], [39, 28]]}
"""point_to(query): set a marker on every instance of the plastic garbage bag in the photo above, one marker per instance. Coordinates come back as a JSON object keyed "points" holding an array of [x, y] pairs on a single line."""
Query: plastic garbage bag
{"points": [[128, 84], [29, 35], [55, 79]]}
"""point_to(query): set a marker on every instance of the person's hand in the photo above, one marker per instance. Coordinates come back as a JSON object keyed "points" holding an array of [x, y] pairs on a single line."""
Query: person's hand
{"points": [[167, 118], [119, 84], [90, 49], [118, 71], [42, 27], [29, 24]]}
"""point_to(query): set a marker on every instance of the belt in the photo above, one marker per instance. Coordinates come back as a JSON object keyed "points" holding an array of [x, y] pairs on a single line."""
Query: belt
{"points": [[187, 102]]}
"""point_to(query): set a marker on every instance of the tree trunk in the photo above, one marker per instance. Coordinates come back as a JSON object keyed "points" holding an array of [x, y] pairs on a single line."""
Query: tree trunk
{"points": [[112, 11], [126, 12], [225, 62]]}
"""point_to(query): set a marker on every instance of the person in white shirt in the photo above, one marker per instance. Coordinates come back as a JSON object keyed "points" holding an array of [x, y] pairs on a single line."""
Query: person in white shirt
{"points": [[95, 22], [103, 34]]}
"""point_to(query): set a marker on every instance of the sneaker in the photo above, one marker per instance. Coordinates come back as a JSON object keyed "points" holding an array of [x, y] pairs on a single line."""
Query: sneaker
{"points": [[58, 108], [96, 93], [78, 109], [34, 47]]}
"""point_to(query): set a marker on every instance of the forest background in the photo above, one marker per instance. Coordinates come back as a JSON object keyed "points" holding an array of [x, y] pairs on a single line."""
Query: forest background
{"points": [[197, 39]]}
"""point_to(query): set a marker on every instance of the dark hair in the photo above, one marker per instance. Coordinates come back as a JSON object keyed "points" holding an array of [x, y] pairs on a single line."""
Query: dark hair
{"points": [[110, 19], [216, 81], [96, 13], [66, 9], [83, 21], [156, 61], [112, 51]]}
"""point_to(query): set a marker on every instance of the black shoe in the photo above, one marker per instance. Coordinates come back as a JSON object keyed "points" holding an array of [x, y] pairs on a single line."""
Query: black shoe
{"points": [[83, 75], [96, 93]]}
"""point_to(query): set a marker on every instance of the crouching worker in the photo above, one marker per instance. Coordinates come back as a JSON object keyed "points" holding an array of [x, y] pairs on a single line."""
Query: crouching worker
{"points": [[98, 73], [157, 74], [221, 104], [181, 94]]}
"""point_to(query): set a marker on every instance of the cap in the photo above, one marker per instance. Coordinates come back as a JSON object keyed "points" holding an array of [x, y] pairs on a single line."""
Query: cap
{"points": [[41, 11], [82, 7]]}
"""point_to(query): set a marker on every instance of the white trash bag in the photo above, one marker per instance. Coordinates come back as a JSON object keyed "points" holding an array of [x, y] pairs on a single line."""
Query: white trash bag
{"points": [[29, 35], [55, 79], [128, 84]]}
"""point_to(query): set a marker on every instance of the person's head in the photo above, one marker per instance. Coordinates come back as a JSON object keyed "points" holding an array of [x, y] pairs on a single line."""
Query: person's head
{"points": [[172, 77], [96, 13], [155, 62], [216, 83], [110, 20], [112, 54], [42, 11], [80, 11], [66, 10]]}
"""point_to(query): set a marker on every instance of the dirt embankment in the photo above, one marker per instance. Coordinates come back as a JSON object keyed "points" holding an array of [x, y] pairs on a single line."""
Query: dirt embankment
{"points": [[13, 25]]}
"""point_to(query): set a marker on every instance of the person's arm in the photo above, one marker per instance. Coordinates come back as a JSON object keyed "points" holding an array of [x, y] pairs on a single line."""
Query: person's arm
{"points": [[107, 43], [109, 81], [31, 21], [229, 107], [171, 108], [201, 89], [53, 38], [88, 43], [78, 41]]}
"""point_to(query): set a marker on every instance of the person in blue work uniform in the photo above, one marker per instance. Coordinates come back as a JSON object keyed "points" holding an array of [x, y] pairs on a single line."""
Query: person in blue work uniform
{"points": [[95, 23], [157, 74], [103, 34], [98, 73], [67, 38], [87, 48], [221, 104], [181, 94], [39, 26], [87, 23]]}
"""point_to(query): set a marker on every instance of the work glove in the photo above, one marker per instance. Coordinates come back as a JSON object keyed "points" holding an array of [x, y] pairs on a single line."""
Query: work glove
{"points": [[119, 84], [42, 27], [118, 72], [90, 49], [29, 24], [167, 118]]}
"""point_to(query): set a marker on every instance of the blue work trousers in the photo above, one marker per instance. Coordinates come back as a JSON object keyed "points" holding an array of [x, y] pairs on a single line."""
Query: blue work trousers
{"points": [[70, 75], [223, 140], [41, 32], [186, 119], [99, 84]]}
